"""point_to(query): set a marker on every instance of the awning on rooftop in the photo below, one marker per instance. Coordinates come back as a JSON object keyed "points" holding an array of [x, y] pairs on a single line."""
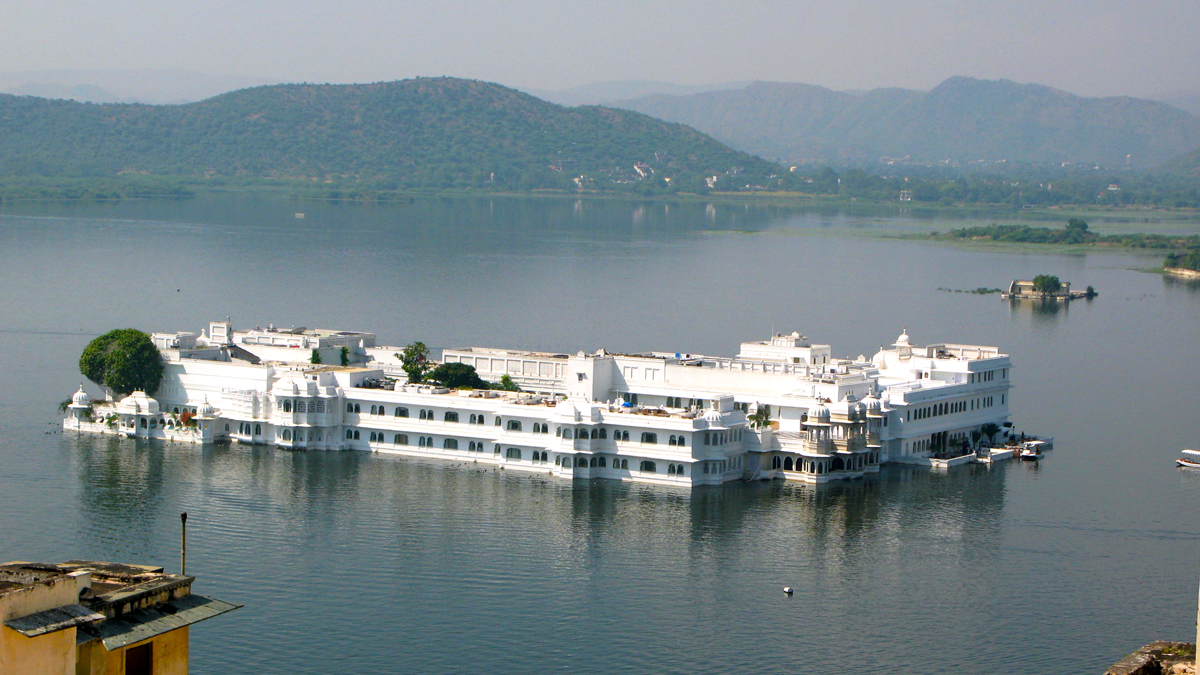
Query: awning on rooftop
{"points": [[53, 620], [147, 623]]}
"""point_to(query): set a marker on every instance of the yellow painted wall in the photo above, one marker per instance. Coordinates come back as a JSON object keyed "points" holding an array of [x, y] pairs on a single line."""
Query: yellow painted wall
{"points": [[53, 654], [170, 655]]}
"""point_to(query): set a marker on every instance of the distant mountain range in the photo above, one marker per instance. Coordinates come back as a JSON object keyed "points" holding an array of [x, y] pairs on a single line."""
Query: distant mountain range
{"points": [[961, 120], [607, 93], [431, 132], [155, 86]]}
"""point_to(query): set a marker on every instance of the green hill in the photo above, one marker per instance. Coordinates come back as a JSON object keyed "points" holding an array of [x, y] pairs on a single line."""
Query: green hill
{"points": [[442, 132], [962, 119]]}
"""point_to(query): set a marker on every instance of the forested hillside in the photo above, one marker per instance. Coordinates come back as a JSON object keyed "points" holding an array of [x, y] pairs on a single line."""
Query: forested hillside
{"points": [[440, 132]]}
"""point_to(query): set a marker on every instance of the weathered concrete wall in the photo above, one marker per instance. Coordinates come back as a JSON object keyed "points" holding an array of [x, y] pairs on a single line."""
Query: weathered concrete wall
{"points": [[1158, 658]]}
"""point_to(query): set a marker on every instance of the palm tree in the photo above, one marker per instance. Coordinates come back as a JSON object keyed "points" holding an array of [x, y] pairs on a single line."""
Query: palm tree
{"points": [[989, 430]]}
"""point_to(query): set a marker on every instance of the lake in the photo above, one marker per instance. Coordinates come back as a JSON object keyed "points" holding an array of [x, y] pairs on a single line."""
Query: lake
{"points": [[350, 562]]}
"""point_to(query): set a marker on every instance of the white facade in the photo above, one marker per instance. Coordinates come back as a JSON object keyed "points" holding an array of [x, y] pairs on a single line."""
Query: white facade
{"points": [[667, 418]]}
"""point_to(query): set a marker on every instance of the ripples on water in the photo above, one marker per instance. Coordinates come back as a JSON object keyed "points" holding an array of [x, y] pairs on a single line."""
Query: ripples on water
{"points": [[350, 562]]}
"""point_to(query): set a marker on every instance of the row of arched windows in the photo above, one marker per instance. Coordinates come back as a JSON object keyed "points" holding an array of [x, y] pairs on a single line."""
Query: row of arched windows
{"points": [[675, 469], [244, 429], [541, 428], [317, 406], [677, 440], [722, 437]]}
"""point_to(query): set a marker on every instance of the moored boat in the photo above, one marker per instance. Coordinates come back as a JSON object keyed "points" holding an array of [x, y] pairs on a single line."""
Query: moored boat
{"points": [[1031, 451], [1189, 460]]}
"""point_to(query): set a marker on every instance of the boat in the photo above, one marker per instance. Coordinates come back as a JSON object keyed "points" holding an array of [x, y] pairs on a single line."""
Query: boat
{"points": [[1032, 450], [1190, 459]]}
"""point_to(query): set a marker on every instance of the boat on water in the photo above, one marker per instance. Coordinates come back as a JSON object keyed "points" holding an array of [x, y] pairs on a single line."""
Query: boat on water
{"points": [[1031, 451], [1189, 460]]}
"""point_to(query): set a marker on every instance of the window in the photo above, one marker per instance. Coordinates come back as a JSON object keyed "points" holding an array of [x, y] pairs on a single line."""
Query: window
{"points": [[401, 412], [648, 466], [513, 453], [287, 406], [566, 433], [682, 442], [357, 409], [450, 444], [603, 462], [648, 437], [372, 438], [595, 433], [373, 410], [400, 439], [624, 435], [624, 463], [349, 435], [356, 434], [498, 422], [140, 660], [776, 463], [514, 425], [287, 434], [422, 414], [671, 469], [679, 470], [593, 462], [257, 429], [787, 464], [451, 417], [349, 407], [603, 433]]}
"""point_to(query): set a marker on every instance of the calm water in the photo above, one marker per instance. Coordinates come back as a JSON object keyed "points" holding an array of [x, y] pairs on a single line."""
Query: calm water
{"points": [[357, 563]]}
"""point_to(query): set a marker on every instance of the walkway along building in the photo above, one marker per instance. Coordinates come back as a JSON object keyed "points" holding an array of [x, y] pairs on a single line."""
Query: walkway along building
{"points": [[668, 418]]}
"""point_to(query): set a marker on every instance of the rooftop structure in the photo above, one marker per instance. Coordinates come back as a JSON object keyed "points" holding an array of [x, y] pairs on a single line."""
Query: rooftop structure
{"points": [[664, 417], [88, 617]]}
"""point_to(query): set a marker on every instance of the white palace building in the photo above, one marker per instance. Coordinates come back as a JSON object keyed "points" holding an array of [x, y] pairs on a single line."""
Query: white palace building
{"points": [[668, 418]]}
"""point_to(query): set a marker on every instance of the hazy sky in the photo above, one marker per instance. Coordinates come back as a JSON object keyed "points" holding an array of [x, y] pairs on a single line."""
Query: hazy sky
{"points": [[1091, 47]]}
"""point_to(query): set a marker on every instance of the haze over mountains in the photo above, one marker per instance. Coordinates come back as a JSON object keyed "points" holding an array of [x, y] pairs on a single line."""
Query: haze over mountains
{"points": [[155, 86], [962, 120], [443, 132]]}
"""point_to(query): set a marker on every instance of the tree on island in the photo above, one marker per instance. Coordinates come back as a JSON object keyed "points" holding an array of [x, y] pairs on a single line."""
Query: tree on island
{"points": [[123, 360], [1186, 261], [456, 376], [415, 361], [1046, 283]]}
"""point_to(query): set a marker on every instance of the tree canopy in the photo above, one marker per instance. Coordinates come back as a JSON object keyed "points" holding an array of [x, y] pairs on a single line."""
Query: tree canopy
{"points": [[1046, 283], [457, 376], [415, 361], [124, 360]]}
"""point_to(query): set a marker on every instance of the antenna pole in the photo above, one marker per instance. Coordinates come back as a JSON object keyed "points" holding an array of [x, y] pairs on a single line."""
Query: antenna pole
{"points": [[183, 544]]}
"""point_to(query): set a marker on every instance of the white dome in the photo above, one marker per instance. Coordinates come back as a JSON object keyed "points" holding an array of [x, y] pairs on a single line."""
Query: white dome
{"points": [[138, 403], [903, 341], [205, 409], [872, 404], [81, 398], [818, 412], [713, 417]]}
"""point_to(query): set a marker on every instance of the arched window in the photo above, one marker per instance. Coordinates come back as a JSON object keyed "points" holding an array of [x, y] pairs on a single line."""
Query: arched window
{"points": [[287, 434], [349, 407], [670, 469], [472, 419], [624, 436], [603, 463], [257, 429], [451, 417], [372, 410], [624, 464], [671, 441], [776, 463], [421, 441], [557, 460], [648, 466], [595, 433], [592, 462], [400, 439], [787, 464], [372, 438], [679, 470], [514, 425], [450, 444], [496, 449], [566, 462], [648, 437], [356, 434], [498, 422], [682, 442], [707, 439], [401, 412], [566, 433], [422, 414], [514, 453], [603, 433], [287, 406], [357, 409], [349, 434]]}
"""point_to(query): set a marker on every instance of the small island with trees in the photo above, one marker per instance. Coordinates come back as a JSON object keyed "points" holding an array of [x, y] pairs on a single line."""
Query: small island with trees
{"points": [[1183, 264], [1045, 287]]}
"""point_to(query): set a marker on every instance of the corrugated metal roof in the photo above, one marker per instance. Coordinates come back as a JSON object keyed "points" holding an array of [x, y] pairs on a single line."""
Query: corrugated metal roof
{"points": [[144, 624], [53, 620]]}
